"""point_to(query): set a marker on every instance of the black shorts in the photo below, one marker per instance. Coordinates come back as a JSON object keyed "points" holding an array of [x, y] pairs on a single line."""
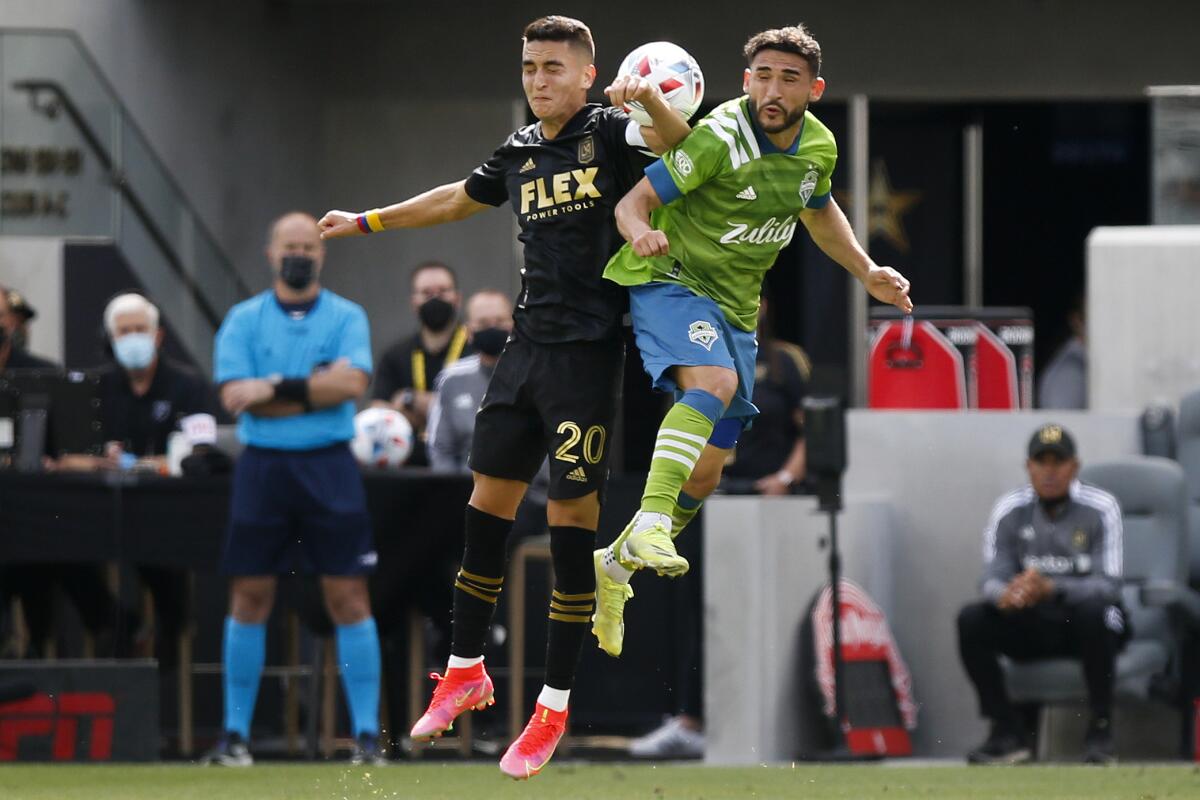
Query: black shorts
{"points": [[551, 400], [310, 500]]}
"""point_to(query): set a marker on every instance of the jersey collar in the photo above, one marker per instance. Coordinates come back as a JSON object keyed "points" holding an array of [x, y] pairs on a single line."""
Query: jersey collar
{"points": [[765, 145], [573, 124]]}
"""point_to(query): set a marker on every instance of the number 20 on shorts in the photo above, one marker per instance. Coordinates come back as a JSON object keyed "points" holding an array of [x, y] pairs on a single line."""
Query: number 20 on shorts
{"points": [[593, 443]]}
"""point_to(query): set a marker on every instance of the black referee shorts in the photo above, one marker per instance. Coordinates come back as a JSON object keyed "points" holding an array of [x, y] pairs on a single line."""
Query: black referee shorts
{"points": [[551, 400]]}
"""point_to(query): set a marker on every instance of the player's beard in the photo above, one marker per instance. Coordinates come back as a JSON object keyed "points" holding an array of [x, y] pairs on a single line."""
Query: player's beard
{"points": [[788, 120]]}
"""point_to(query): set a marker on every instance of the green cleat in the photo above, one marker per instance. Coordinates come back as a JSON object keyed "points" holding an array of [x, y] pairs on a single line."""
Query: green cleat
{"points": [[653, 549], [608, 623]]}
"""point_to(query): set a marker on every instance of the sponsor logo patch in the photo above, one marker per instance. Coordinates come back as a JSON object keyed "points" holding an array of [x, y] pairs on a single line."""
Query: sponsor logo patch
{"points": [[683, 163], [577, 474], [747, 194], [528, 165]]}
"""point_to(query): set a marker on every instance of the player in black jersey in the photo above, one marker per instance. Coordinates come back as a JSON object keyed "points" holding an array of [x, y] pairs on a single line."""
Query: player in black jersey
{"points": [[554, 392]]}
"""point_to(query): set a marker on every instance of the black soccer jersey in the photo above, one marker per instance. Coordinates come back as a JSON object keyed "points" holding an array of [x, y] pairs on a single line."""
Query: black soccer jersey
{"points": [[563, 191]]}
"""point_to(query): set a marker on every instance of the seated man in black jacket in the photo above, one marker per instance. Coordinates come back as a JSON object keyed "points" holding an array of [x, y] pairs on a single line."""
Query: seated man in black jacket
{"points": [[1051, 589], [144, 394]]}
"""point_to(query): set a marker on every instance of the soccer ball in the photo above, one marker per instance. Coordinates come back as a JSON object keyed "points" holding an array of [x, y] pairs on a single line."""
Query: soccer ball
{"points": [[383, 437], [676, 73]]}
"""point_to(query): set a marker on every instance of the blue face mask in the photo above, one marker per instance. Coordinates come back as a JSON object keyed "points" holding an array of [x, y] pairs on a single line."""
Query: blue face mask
{"points": [[134, 350]]}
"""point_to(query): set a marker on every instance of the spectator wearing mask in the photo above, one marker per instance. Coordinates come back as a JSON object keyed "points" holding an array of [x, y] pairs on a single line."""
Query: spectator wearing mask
{"points": [[407, 373], [144, 393], [143, 397], [461, 386]]}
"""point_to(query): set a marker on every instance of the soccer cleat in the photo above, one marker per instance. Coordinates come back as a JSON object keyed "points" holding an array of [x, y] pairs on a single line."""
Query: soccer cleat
{"points": [[1004, 745], [608, 623], [532, 750], [1098, 743], [672, 739], [458, 691], [367, 752], [654, 549], [231, 751]]}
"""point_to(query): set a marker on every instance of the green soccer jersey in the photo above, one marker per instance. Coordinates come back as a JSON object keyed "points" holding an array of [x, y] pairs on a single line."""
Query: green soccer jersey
{"points": [[731, 202]]}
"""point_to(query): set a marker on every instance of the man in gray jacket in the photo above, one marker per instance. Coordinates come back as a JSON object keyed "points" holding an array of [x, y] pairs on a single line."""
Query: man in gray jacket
{"points": [[1052, 554], [461, 385]]}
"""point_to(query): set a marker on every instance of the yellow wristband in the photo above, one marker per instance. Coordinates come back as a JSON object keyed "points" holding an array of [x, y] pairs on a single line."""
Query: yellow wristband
{"points": [[373, 221]]}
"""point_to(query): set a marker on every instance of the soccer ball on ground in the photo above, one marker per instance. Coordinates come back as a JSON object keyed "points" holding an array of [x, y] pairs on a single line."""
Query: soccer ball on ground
{"points": [[383, 437], [673, 70]]}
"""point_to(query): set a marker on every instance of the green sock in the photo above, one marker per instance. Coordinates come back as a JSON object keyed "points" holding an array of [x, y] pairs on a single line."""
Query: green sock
{"points": [[681, 438], [686, 508]]}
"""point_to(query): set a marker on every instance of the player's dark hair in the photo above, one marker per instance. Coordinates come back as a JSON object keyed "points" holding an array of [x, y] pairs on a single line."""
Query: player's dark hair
{"points": [[561, 29], [432, 264], [792, 39]]}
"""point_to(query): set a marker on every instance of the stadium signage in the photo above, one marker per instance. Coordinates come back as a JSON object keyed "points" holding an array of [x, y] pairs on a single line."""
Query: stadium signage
{"points": [[79, 711], [39, 163]]}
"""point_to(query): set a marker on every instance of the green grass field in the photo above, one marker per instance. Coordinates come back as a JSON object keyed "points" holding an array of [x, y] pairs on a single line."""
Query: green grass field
{"points": [[568, 780]]}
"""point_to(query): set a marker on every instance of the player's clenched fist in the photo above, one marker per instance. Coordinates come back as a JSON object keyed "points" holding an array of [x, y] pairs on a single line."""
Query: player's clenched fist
{"points": [[336, 224], [888, 286], [626, 88], [651, 243]]}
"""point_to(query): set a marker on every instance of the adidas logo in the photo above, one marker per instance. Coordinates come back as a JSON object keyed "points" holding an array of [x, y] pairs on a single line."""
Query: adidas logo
{"points": [[747, 194], [577, 474], [528, 165]]}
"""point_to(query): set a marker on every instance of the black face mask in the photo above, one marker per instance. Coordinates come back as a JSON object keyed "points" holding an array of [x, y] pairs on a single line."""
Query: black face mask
{"points": [[435, 313], [490, 341], [298, 272]]}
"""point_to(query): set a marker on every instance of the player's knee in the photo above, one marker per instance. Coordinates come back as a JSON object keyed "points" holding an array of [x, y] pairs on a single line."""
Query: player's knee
{"points": [[497, 496], [346, 600], [722, 383], [580, 512], [251, 600]]}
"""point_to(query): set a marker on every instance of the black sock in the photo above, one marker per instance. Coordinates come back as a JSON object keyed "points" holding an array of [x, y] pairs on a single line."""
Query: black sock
{"points": [[571, 604], [477, 586]]}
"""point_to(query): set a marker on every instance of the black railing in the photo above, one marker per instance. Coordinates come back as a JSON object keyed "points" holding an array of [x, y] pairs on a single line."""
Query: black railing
{"points": [[49, 98]]}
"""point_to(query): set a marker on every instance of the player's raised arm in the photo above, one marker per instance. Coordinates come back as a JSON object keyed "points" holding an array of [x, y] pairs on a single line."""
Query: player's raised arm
{"points": [[831, 231], [633, 220], [447, 203], [669, 127]]}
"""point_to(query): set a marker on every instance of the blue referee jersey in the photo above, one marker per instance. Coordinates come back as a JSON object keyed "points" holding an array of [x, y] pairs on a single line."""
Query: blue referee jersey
{"points": [[259, 339]]}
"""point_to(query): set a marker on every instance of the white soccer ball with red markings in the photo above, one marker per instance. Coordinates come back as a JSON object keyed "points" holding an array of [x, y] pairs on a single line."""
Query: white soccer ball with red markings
{"points": [[673, 70], [383, 437]]}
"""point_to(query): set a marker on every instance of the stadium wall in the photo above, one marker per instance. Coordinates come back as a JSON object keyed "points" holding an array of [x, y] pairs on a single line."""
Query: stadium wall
{"points": [[1142, 284], [938, 474]]}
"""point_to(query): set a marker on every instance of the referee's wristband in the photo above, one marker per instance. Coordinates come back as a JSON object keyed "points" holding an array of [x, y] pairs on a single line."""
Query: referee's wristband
{"points": [[294, 389], [369, 221]]}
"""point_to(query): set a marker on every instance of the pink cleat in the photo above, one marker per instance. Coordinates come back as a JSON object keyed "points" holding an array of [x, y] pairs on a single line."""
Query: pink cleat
{"points": [[458, 691], [532, 750]]}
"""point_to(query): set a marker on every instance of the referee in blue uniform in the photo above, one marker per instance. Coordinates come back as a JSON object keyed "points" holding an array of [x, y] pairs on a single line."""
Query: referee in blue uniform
{"points": [[290, 363]]}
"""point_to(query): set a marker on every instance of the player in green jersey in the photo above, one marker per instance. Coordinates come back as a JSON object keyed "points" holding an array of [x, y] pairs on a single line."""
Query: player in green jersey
{"points": [[703, 227]]}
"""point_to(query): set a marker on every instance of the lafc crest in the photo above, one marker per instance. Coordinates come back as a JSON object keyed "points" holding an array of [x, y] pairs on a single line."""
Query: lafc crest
{"points": [[587, 150]]}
